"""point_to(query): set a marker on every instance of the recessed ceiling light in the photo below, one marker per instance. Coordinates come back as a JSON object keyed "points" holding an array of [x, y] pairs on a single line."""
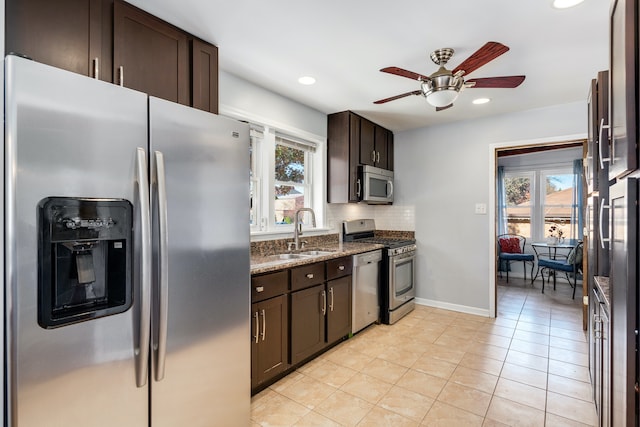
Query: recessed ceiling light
{"points": [[479, 101], [306, 80], [565, 4]]}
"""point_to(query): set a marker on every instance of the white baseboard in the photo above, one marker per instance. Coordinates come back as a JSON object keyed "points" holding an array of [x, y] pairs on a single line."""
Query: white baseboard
{"points": [[453, 307]]}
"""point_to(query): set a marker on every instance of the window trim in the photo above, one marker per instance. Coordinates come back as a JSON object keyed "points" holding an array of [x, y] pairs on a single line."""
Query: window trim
{"points": [[263, 231]]}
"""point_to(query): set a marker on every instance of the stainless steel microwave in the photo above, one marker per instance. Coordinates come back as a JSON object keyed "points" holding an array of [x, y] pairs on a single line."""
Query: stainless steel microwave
{"points": [[377, 185]]}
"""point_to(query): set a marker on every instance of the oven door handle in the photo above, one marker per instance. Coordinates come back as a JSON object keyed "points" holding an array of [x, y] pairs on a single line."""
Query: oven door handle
{"points": [[396, 259]]}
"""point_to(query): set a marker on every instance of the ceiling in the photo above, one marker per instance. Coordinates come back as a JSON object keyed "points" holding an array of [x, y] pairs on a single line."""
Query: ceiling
{"points": [[344, 44]]}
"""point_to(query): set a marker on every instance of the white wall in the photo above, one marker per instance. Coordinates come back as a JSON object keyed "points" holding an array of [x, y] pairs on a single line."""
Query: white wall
{"points": [[240, 98], [444, 171]]}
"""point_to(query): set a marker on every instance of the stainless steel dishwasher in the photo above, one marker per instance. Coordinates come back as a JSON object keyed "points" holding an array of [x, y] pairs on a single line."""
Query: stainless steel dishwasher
{"points": [[366, 290]]}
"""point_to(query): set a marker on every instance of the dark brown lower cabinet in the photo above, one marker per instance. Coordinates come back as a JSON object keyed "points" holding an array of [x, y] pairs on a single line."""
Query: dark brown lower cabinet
{"points": [[320, 316], [308, 308], [269, 339], [339, 308]]}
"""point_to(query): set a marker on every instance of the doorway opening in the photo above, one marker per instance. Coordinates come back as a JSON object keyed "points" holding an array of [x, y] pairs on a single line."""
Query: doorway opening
{"points": [[540, 202]]}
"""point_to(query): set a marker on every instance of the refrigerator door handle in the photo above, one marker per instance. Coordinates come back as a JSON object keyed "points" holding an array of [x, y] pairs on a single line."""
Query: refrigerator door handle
{"points": [[142, 350], [160, 348]]}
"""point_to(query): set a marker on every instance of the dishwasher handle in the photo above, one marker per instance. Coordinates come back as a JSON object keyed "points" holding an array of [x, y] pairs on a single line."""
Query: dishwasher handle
{"points": [[367, 258]]}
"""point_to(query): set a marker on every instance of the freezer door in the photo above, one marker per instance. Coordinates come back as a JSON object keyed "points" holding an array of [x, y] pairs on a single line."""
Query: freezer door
{"points": [[67, 135], [201, 329]]}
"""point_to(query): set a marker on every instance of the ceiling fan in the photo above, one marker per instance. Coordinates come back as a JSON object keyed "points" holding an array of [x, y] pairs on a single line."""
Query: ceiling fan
{"points": [[443, 87]]}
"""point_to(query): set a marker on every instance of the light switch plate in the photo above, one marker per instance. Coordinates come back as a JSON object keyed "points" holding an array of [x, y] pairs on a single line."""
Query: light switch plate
{"points": [[481, 208]]}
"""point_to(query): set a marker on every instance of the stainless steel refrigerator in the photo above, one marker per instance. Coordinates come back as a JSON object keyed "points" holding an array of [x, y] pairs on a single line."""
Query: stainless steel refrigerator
{"points": [[127, 257]]}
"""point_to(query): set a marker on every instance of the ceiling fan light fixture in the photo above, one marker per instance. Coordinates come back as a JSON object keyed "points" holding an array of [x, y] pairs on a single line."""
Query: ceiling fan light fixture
{"points": [[565, 4], [442, 97], [442, 90]]}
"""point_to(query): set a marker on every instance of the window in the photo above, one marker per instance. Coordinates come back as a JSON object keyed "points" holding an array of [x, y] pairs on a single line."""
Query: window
{"points": [[538, 199], [283, 180], [556, 201], [256, 136], [292, 188], [518, 189]]}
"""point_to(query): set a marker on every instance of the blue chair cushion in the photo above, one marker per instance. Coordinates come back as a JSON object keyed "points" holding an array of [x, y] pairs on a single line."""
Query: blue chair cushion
{"points": [[516, 257], [556, 265]]}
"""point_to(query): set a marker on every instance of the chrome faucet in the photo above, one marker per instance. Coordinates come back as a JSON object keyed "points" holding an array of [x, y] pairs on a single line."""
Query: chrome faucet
{"points": [[297, 226]]}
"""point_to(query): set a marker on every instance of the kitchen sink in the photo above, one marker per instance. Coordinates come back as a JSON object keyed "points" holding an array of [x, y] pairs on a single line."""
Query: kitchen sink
{"points": [[316, 253], [288, 256]]}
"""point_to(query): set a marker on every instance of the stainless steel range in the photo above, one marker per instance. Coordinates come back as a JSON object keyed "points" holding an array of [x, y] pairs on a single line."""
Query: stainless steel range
{"points": [[398, 289]]}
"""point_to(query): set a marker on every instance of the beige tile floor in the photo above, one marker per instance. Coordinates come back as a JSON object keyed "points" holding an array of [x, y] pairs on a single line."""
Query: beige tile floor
{"points": [[527, 367]]}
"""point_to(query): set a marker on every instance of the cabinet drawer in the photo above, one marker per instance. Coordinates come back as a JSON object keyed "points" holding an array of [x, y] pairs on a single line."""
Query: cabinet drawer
{"points": [[307, 275], [269, 285], [339, 267]]}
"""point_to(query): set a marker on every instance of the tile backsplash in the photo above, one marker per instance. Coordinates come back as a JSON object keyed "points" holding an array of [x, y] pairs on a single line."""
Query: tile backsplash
{"points": [[394, 217]]}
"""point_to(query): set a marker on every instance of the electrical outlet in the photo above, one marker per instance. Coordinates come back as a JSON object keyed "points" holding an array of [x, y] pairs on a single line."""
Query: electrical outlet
{"points": [[481, 208]]}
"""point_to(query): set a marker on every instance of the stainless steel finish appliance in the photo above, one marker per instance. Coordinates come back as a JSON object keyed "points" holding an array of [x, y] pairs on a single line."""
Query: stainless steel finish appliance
{"points": [[127, 257], [398, 268], [377, 185], [365, 287], [400, 297]]}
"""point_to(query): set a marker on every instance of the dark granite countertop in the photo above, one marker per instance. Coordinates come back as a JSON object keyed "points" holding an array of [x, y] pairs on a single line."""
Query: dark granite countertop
{"points": [[602, 282], [264, 264]]}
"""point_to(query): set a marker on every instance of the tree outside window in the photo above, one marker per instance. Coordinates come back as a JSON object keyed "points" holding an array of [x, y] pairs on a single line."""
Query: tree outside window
{"points": [[291, 183], [518, 198]]}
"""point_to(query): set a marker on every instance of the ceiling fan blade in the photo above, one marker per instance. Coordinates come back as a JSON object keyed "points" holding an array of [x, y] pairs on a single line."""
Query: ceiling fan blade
{"points": [[487, 53], [497, 82], [445, 107], [393, 98], [405, 73]]}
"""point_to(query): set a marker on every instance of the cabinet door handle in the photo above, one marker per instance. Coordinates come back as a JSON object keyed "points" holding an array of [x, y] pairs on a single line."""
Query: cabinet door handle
{"points": [[373, 156], [377, 157], [602, 208], [310, 276], [341, 267], [331, 302], [264, 324], [259, 288], [255, 316], [324, 303], [607, 159], [121, 72], [96, 68]]}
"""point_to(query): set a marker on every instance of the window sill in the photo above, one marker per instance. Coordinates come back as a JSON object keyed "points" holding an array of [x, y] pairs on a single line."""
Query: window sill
{"points": [[282, 234]]}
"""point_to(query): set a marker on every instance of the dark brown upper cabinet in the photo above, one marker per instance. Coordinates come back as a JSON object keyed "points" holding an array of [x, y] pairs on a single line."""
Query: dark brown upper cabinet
{"points": [[374, 145], [596, 164], [353, 141], [623, 69], [149, 54], [75, 35], [204, 76], [118, 43]]}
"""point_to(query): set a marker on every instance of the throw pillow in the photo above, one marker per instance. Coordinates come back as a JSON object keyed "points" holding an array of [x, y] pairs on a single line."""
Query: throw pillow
{"points": [[575, 256], [510, 245]]}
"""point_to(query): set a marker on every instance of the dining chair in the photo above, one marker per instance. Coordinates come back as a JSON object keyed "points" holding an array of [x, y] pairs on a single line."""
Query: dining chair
{"points": [[511, 248], [572, 265]]}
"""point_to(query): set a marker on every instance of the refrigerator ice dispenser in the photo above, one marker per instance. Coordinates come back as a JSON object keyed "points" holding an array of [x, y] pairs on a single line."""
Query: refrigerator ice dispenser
{"points": [[84, 259]]}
